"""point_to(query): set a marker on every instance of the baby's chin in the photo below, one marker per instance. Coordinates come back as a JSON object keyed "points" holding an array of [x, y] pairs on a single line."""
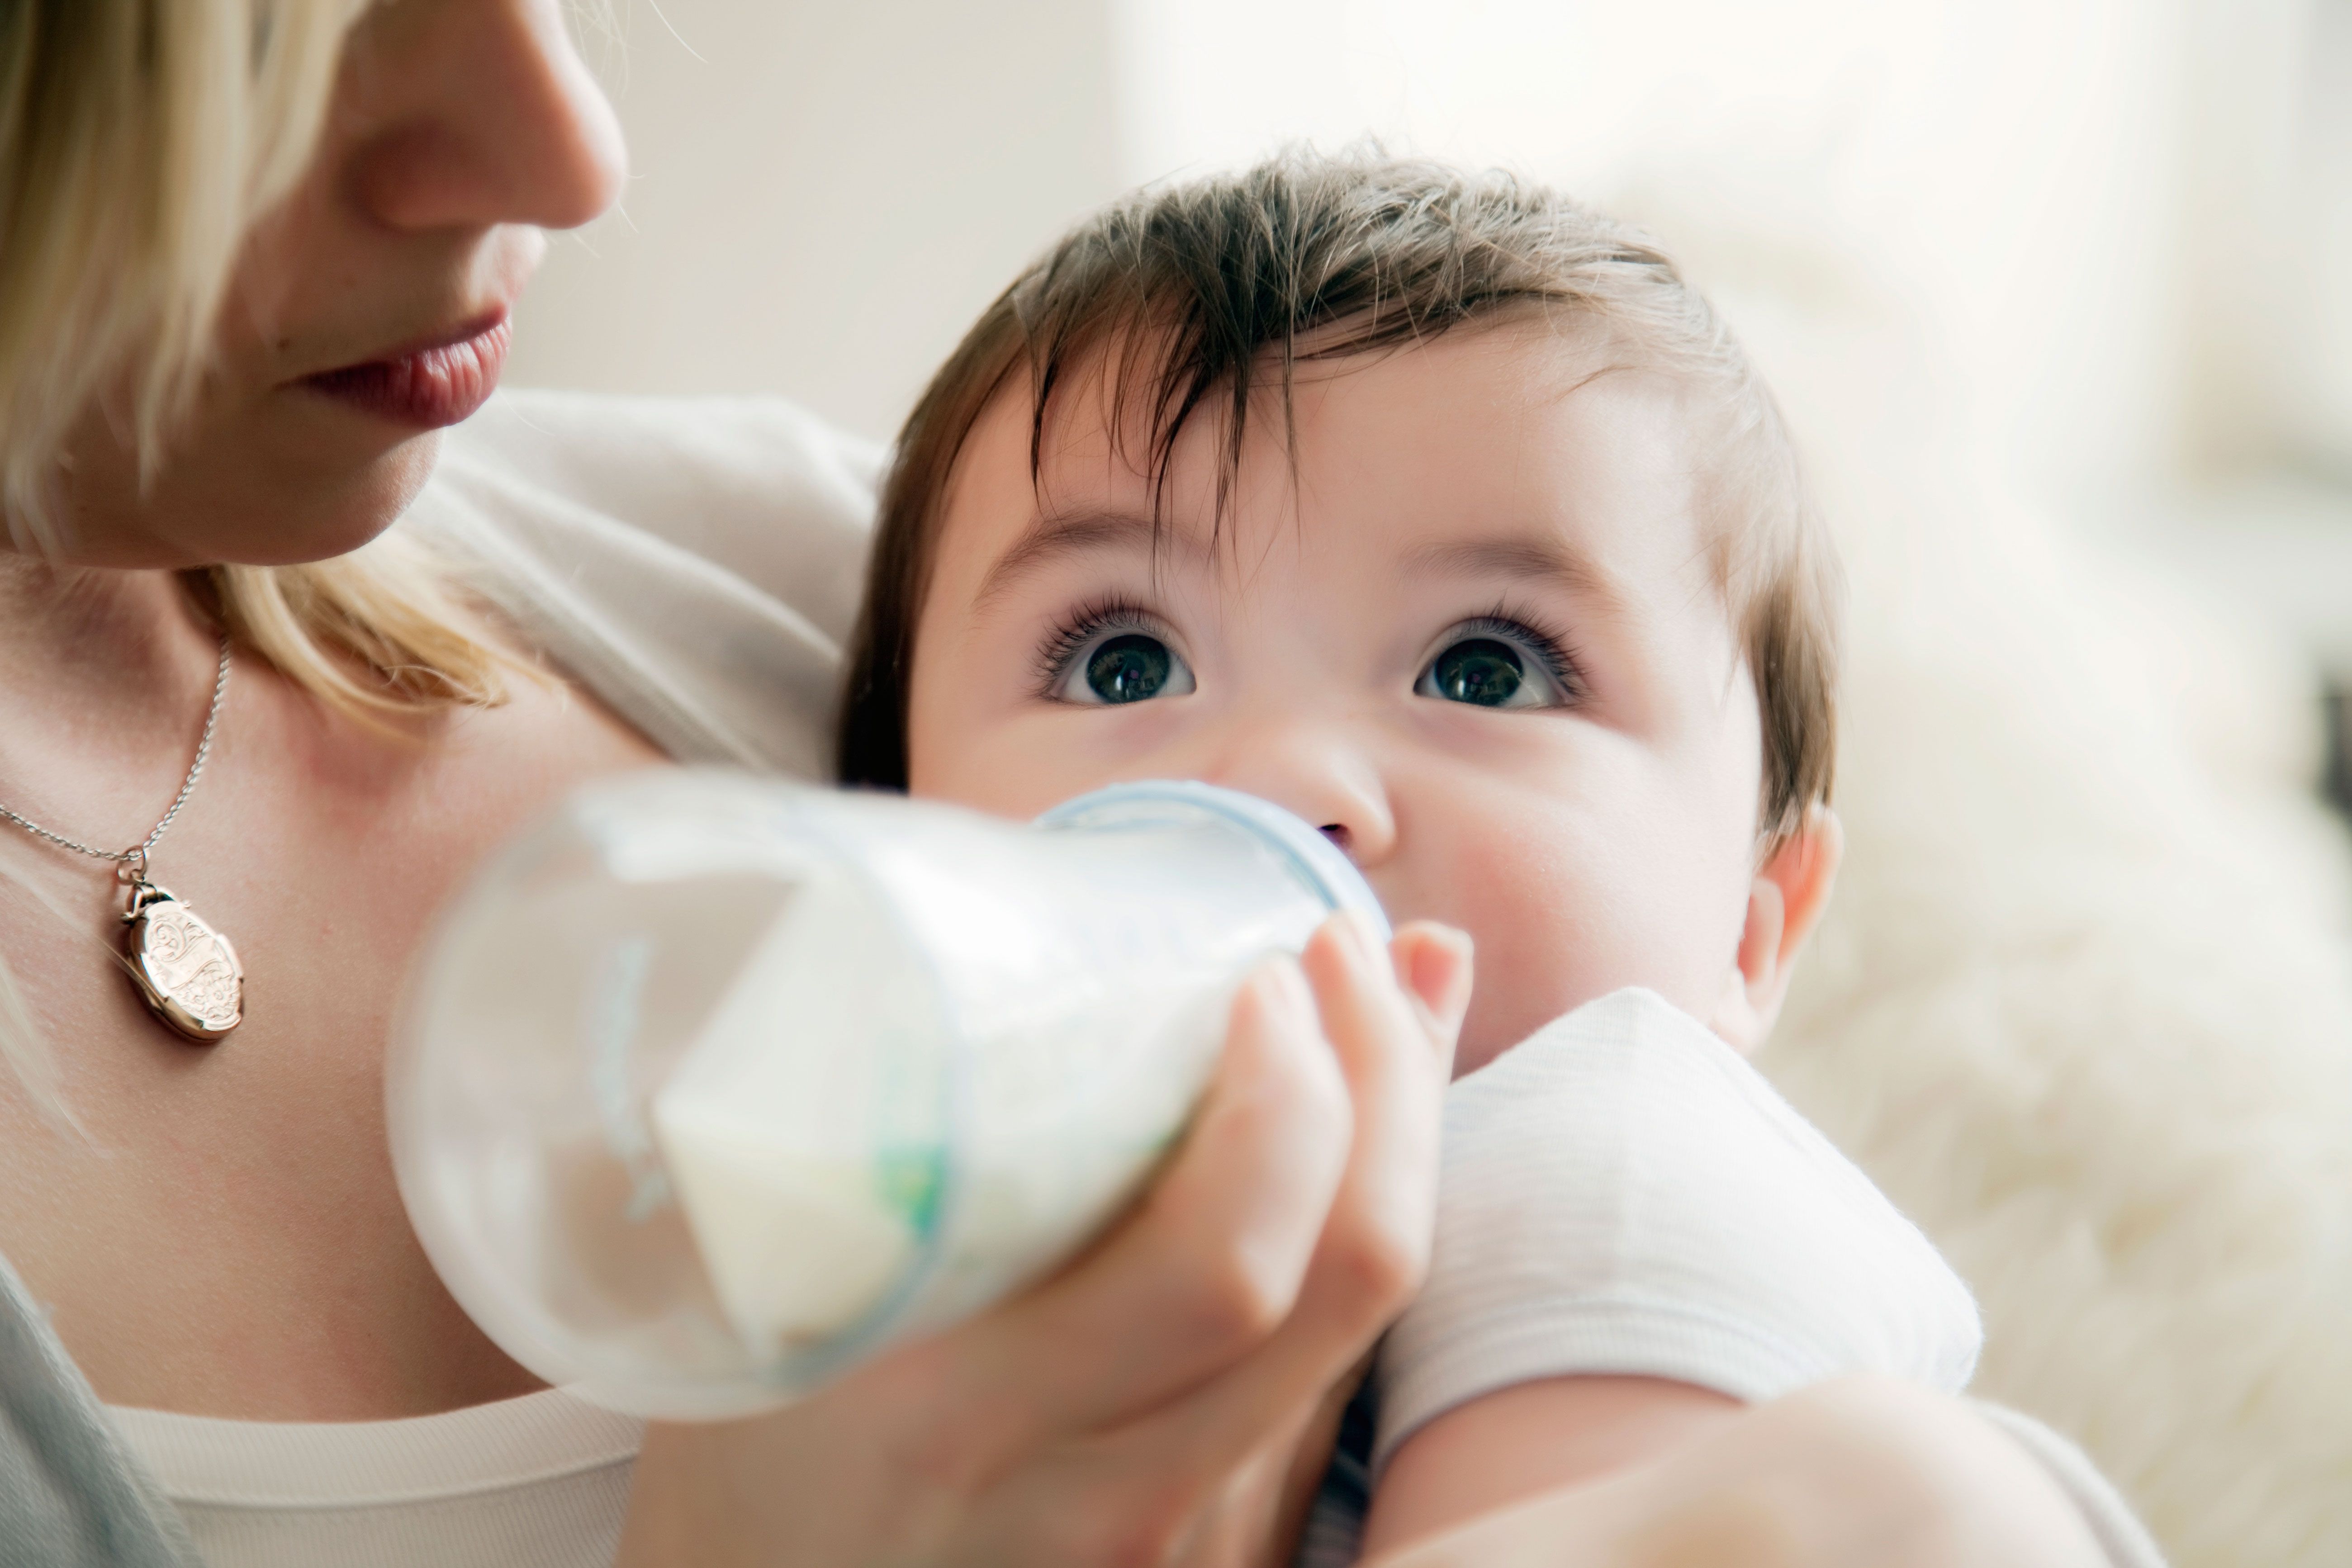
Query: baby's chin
{"points": [[1497, 1023], [1499, 1018]]}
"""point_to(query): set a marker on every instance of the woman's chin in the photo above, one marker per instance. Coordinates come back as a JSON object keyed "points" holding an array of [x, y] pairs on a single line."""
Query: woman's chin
{"points": [[338, 511], [281, 508]]}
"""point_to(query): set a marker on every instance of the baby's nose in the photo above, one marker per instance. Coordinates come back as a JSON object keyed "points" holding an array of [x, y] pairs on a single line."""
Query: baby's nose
{"points": [[1320, 779]]}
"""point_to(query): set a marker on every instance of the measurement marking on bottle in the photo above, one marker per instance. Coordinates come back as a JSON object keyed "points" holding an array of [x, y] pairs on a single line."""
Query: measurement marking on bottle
{"points": [[612, 1025]]}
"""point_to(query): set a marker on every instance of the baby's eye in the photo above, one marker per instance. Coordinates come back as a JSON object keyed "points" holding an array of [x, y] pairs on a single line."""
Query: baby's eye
{"points": [[1496, 666], [1124, 666]]}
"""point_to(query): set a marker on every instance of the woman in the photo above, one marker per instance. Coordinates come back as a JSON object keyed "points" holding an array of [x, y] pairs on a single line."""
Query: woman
{"points": [[252, 253]]}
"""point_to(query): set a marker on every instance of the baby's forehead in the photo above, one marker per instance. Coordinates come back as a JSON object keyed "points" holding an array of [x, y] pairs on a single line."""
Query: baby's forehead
{"points": [[1522, 427], [1504, 461], [1122, 392]]}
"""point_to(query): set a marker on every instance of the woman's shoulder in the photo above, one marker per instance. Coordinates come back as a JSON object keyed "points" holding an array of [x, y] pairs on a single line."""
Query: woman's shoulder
{"points": [[757, 485], [696, 562]]}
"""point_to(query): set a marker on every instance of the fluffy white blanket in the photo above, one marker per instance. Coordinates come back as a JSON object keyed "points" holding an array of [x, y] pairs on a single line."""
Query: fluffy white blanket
{"points": [[2083, 1003]]}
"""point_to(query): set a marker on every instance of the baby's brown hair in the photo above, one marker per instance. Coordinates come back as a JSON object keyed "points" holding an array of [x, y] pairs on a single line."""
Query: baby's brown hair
{"points": [[1183, 295]]}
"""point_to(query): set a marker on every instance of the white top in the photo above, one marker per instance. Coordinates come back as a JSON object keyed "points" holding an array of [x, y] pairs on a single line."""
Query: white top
{"points": [[1621, 1192], [541, 1482], [698, 563]]}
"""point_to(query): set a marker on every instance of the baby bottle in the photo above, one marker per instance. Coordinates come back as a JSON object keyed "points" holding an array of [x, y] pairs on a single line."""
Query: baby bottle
{"points": [[710, 1087]]}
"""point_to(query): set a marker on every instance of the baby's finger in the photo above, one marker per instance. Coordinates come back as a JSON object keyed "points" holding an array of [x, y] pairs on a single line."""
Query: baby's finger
{"points": [[1433, 966]]}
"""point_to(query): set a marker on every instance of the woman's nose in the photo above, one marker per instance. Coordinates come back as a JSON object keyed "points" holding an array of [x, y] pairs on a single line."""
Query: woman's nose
{"points": [[471, 113]]}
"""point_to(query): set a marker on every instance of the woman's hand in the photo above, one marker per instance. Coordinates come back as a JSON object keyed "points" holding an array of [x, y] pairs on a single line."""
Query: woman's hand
{"points": [[1861, 1473], [1151, 1403]]}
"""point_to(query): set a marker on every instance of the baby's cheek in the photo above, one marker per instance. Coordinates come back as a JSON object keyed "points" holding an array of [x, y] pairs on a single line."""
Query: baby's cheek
{"points": [[1560, 922], [1533, 911], [987, 774], [968, 744]]}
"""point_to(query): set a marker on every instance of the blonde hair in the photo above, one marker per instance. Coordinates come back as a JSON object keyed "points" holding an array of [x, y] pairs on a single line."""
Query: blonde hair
{"points": [[1186, 291], [139, 141]]}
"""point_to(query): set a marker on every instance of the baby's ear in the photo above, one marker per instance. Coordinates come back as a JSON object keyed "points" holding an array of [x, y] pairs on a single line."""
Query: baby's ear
{"points": [[1783, 905]]}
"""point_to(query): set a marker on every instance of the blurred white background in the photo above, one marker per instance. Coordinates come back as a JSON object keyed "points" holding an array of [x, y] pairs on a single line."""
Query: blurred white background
{"points": [[2059, 293], [2118, 233]]}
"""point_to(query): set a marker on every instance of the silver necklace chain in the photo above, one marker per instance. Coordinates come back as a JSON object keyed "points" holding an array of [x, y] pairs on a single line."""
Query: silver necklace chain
{"points": [[136, 855]]}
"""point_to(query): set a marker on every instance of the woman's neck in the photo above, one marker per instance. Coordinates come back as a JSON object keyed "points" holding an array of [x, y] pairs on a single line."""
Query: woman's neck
{"points": [[104, 675]]}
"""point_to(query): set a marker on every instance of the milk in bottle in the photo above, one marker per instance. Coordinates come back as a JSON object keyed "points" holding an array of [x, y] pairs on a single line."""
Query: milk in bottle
{"points": [[711, 1086]]}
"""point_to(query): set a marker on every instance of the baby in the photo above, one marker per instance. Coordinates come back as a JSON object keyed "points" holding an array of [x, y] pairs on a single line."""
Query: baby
{"points": [[1445, 514]]}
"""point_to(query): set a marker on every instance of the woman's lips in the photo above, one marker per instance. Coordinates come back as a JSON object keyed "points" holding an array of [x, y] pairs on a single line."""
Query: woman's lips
{"points": [[425, 387]]}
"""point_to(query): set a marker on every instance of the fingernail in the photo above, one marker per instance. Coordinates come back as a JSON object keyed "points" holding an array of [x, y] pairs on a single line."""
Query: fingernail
{"points": [[1442, 975]]}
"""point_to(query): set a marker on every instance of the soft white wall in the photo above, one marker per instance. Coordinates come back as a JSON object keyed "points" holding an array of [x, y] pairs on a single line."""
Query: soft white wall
{"points": [[2270, 238], [2119, 223], [823, 195], [2010, 166]]}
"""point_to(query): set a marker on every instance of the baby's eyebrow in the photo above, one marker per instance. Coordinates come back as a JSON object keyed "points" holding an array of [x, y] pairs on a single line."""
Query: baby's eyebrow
{"points": [[1520, 557], [1057, 535]]}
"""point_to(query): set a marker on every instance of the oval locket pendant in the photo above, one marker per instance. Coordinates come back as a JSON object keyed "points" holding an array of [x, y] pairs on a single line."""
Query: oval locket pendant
{"points": [[187, 971]]}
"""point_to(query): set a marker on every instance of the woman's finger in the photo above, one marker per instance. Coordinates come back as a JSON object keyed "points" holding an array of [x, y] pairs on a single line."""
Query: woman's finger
{"points": [[1206, 1268], [1069, 1406], [1395, 1048]]}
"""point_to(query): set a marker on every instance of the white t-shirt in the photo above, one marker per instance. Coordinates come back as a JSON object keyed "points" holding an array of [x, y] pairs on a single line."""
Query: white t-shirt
{"points": [[541, 1482], [1619, 1194]]}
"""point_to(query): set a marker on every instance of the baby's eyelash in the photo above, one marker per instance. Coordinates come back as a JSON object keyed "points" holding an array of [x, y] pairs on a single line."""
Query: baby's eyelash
{"points": [[1541, 639], [1082, 625]]}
